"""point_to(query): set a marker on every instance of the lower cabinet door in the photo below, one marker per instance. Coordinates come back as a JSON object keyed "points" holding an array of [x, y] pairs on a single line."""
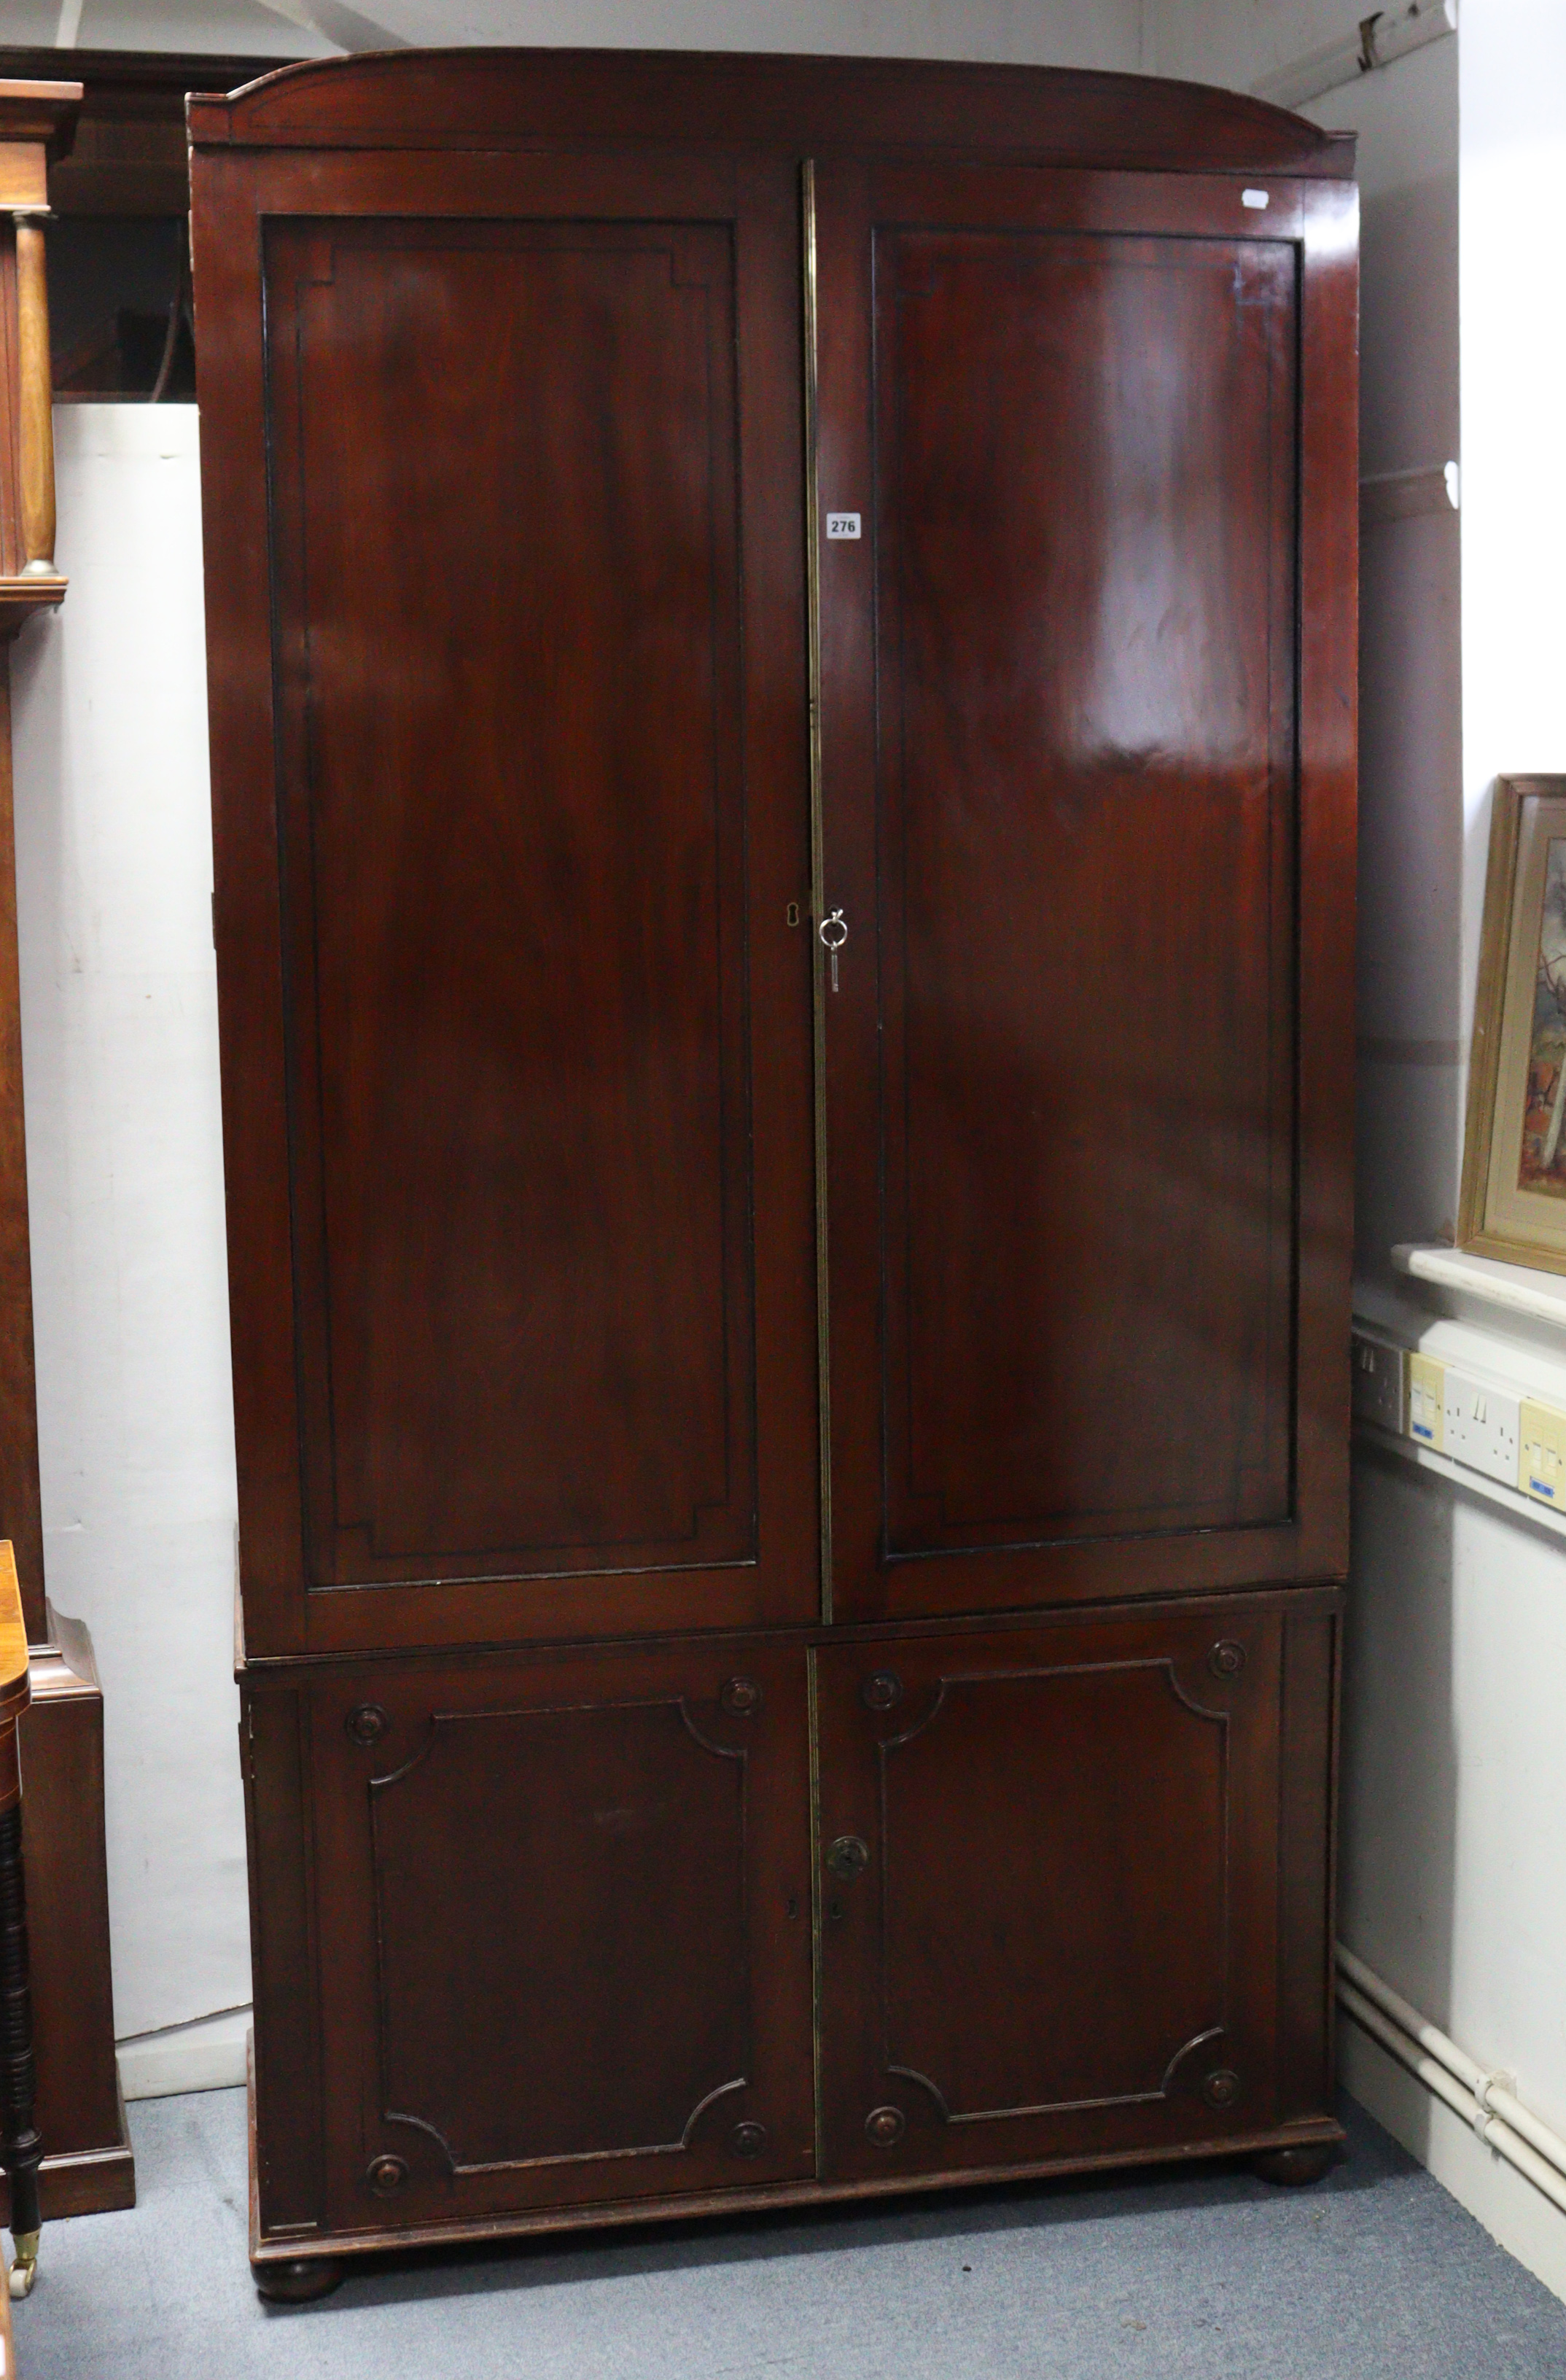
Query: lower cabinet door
{"points": [[564, 1926], [1049, 1891]]}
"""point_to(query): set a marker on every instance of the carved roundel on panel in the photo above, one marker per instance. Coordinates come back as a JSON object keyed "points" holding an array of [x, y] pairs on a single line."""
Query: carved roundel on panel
{"points": [[1227, 1658], [748, 2140], [885, 2127], [883, 1691], [740, 1697], [1221, 2087], [367, 1723], [386, 2175]]}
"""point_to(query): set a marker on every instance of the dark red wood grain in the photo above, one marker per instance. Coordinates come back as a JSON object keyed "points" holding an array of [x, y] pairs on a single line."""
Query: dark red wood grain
{"points": [[514, 868], [1068, 1922], [517, 1033], [1067, 749], [554, 1711], [565, 1907], [466, 97], [553, 1894]]}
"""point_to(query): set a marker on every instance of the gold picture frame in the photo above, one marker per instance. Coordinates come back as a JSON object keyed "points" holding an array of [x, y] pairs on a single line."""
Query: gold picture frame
{"points": [[1512, 1202]]}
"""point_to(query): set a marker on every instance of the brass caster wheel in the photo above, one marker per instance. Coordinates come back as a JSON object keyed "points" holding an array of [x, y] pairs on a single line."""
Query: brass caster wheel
{"points": [[1294, 2168], [24, 2272], [298, 2279]]}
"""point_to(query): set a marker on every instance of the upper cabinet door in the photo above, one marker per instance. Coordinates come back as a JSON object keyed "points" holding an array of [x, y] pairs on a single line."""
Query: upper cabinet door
{"points": [[506, 480], [1087, 687]]}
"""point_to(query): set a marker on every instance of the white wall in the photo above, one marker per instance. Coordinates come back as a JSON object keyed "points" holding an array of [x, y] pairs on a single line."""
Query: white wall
{"points": [[1454, 1878], [1454, 1872], [119, 1025], [1513, 154], [1453, 1848]]}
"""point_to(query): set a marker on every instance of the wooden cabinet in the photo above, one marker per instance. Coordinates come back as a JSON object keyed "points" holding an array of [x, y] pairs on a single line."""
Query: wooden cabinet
{"points": [[564, 1904], [1060, 1885], [782, 652]]}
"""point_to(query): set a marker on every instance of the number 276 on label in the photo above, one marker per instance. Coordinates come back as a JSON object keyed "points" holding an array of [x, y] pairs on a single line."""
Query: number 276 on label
{"points": [[842, 525]]}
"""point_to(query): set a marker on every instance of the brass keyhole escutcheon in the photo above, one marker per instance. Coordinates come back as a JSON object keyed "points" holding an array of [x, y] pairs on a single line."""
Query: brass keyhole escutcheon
{"points": [[848, 1857], [885, 2126]]}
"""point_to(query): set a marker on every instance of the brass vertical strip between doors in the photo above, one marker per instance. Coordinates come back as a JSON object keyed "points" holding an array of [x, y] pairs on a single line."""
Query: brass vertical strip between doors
{"points": [[817, 871], [815, 1734]]}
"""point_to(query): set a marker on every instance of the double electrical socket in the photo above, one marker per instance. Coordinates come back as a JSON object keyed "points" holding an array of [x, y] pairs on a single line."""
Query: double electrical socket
{"points": [[1379, 1383], [1482, 1426], [1542, 1471], [1509, 1439]]}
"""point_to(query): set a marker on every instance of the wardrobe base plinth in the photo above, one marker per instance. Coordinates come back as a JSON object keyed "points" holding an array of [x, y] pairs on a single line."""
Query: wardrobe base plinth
{"points": [[296, 2272]]}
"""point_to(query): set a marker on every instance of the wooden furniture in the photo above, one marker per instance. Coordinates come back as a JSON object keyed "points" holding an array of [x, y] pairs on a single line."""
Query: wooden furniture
{"points": [[782, 705], [21, 2149], [89, 2165], [128, 160], [119, 198]]}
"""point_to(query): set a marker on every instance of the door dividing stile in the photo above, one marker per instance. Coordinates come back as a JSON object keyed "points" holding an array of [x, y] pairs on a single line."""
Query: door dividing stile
{"points": [[817, 1978], [817, 863]]}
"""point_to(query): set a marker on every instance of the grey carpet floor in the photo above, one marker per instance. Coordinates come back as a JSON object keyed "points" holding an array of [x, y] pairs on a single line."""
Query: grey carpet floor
{"points": [[1374, 2272]]}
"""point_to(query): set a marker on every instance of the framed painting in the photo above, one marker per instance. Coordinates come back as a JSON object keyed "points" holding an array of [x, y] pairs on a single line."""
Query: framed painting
{"points": [[1514, 1198]]}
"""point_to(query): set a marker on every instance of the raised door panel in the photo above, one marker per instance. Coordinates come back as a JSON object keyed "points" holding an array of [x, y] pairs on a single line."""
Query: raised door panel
{"points": [[1061, 725], [543, 1024], [563, 1912], [1048, 1892]]}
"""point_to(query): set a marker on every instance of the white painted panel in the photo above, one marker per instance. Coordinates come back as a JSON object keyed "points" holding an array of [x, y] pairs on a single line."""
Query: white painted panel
{"points": [[1453, 1862], [1513, 157], [126, 1185]]}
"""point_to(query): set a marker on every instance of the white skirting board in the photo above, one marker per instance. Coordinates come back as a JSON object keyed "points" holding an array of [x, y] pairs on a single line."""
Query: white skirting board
{"points": [[1494, 2192], [208, 2054]]}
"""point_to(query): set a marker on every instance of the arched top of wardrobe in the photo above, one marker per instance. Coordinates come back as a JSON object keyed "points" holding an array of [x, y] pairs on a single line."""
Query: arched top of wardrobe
{"points": [[435, 99]]}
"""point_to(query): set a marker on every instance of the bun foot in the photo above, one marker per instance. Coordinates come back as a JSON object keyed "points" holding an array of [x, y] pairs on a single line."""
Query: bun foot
{"points": [[298, 2280], [1293, 2168]]}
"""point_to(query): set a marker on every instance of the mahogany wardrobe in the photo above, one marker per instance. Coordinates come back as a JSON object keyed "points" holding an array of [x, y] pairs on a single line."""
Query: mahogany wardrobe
{"points": [[782, 649]]}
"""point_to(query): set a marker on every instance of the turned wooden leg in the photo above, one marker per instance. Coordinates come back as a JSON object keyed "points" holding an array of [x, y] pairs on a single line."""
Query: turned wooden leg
{"points": [[23, 2151], [36, 440], [298, 2279]]}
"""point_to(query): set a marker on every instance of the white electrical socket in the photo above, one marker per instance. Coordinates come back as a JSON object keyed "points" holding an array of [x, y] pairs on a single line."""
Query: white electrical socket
{"points": [[1426, 1400], [1542, 1472], [1483, 1426], [1379, 1382]]}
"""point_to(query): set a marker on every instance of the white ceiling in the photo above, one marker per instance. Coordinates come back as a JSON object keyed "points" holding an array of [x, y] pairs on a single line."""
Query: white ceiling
{"points": [[1063, 32]]}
